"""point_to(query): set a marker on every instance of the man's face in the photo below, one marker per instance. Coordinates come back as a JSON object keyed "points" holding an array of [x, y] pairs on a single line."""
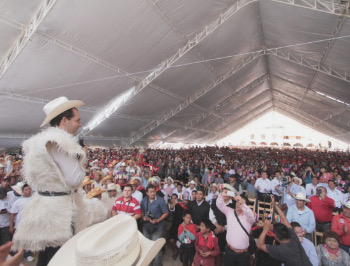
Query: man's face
{"points": [[127, 192], [72, 125], [2, 170], [27, 192], [278, 175], [151, 193], [314, 181], [331, 185], [299, 232], [199, 196], [346, 212], [112, 193], [300, 203], [214, 189], [264, 176], [179, 188]]}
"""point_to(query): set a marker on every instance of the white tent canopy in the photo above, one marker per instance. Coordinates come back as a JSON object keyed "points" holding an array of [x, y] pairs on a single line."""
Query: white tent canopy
{"points": [[195, 70]]}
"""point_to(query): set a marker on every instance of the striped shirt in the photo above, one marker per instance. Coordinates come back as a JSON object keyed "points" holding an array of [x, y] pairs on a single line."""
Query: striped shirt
{"points": [[131, 207]]}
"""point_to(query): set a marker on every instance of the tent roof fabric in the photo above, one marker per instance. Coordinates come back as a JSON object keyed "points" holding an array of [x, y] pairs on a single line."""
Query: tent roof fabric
{"points": [[198, 70]]}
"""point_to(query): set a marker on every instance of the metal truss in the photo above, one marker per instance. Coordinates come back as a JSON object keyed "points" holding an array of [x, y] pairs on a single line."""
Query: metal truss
{"points": [[166, 64], [197, 95], [292, 110], [339, 8], [309, 63], [26, 35], [225, 102], [256, 112]]}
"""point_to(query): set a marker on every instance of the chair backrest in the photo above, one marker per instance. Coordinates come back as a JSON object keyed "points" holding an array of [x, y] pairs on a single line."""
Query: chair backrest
{"points": [[317, 237], [264, 207], [252, 203]]}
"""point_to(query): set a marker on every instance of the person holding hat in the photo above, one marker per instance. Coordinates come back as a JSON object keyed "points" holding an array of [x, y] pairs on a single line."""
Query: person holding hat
{"points": [[54, 168], [233, 181], [302, 214], [341, 225]]}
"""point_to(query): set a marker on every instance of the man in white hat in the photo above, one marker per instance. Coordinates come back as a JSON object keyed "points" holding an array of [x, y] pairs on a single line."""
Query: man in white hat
{"points": [[54, 168], [302, 214]]}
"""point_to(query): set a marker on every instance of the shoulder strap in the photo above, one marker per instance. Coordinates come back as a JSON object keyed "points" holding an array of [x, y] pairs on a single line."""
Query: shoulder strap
{"points": [[239, 221]]}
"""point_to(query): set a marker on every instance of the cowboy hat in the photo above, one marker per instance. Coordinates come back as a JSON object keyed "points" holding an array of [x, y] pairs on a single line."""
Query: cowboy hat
{"points": [[301, 196], [299, 180], [108, 177], [111, 186], [94, 168], [86, 181], [58, 106], [94, 192], [18, 188], [114, 242], [346, 204], [192, 182], [214, 185], [92, 163], [172, 180]]}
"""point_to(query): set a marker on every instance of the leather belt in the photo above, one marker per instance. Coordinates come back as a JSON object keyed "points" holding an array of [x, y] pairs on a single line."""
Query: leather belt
{"points": [[55, 194], [237, 250]]}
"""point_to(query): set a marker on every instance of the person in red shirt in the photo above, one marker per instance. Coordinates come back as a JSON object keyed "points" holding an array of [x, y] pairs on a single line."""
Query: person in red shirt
{"points": [[127, 204], [341, 225], [322, 206]]}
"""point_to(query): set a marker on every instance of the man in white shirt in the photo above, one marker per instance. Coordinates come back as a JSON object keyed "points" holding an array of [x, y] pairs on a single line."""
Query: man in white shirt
{"points": [[5, 206], [311, 188], [263, 185], [277, 186], [135, 193], [335, 194], [213, 193], [192, 186]]}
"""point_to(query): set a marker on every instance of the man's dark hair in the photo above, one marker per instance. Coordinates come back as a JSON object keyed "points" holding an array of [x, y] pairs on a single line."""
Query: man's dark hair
{"points": [[281, 231], [128, 185], [55, 122], [330, 234], [200, 190], [329, 181], [185, 213], [295, 224], [150, 186], [24, 186], [174, 194], [179, 184], [207, 223]]}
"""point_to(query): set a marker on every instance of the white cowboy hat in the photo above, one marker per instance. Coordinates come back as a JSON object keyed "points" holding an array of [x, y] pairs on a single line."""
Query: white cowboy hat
{"points": [[111, 187], [172, 180], [346, 204], [192, 182], [299, 180], [92, 163], [231, 188], [214, 185], [114, 242], [18, 188], [301, 196], [58, 106]]}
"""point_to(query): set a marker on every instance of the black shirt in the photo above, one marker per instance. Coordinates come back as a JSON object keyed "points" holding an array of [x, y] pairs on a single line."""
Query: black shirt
{"points": [[292, 253], [198, 212]]}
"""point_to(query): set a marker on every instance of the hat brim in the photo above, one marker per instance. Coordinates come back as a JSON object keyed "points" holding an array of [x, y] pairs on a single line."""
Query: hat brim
{"points": [[67, 255], [17, 190], [62, 108], [306, 200]]}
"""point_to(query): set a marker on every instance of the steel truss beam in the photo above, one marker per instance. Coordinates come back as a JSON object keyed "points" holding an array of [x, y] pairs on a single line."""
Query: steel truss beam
{"points": [[256, 111], [339, 8], [292, 109], [197, 95], [312, 93], [225, 102], [166, 64], [26, 35], [92, 110], [309, 63]]}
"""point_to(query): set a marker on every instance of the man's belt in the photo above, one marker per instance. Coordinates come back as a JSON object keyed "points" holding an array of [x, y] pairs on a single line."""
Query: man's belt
{"points": [[237, 250], [55, 194]]}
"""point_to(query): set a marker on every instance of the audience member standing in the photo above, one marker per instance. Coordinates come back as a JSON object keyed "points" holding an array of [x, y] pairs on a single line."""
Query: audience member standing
{"points": [[341, 226], [199, 208]]}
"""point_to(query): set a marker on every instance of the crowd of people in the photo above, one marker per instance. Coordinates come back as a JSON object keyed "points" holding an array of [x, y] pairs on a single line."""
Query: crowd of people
{"points": [[198, 199]]}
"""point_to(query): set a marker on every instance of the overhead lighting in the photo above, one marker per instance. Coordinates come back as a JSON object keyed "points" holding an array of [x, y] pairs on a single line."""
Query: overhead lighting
{"points": [[108, 111]]}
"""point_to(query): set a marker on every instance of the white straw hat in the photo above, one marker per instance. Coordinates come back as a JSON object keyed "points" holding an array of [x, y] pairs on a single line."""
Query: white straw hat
{"points": [[114, 242], [301, 196], [18, 188], [346, 204], [58, 106]]}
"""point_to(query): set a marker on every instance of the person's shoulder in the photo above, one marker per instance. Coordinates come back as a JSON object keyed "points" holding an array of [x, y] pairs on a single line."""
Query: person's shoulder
{"points": [[307, 243]]}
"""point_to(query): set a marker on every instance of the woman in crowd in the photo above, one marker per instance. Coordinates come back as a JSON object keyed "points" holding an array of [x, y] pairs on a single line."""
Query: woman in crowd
{"points": [[329, 253]]}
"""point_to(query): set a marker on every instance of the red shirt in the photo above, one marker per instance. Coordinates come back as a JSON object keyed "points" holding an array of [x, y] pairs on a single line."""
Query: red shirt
{"points": [[323, 210], [337, 227], [131, 207]]}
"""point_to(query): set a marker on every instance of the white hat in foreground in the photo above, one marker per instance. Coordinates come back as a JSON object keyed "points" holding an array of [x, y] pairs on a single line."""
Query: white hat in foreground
{"points": [[301, 196], [18, 188], [58, 106], [346, 204], [114, 242]]}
